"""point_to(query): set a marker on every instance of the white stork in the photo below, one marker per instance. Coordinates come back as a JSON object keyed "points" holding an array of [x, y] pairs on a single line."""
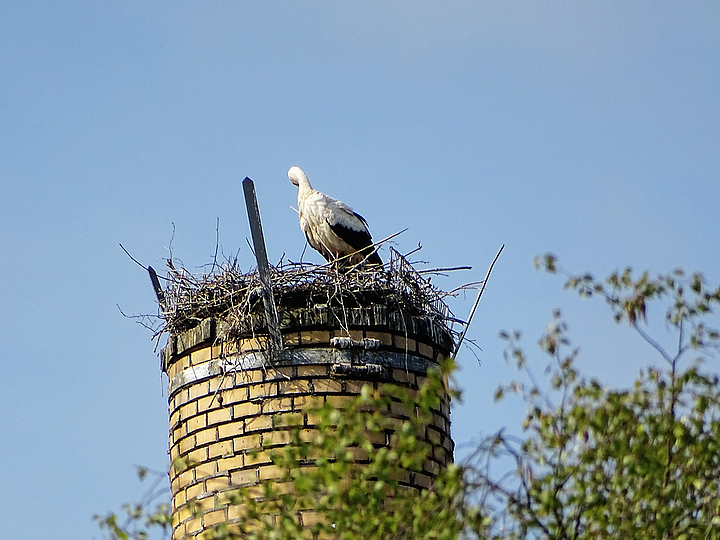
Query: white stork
{"points": [[330, 226]]}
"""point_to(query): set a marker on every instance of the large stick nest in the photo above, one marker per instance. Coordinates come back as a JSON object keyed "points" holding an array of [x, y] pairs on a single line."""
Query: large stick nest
{"points": [[227, 294]]}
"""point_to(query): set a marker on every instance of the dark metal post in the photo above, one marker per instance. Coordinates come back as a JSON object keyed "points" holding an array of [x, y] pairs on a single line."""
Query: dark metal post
{"points": [[271, 315], [159, 294]]}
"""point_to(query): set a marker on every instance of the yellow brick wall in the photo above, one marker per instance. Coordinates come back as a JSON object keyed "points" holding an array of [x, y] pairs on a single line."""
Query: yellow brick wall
{"points": [[217, 423]]}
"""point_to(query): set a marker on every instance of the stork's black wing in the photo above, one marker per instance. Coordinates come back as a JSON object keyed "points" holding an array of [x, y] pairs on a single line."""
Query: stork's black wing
{"points": [[360, 241]]}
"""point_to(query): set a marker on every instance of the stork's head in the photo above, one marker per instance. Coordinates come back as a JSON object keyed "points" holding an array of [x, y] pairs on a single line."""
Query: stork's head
{"points": [[297, 177]]}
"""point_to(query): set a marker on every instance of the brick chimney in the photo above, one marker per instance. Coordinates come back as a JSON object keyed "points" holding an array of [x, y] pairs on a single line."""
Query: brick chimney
{"points": [[227, 395]]}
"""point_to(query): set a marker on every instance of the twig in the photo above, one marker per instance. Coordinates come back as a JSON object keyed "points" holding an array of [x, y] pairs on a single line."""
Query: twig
{"points": [[418, 248], [169, 248], [132, 258], [217, 242], [471, 285], [477, 301], [438, 270]]}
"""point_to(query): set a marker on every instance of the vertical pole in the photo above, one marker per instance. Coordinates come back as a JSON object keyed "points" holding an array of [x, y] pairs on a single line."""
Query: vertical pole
{"points": [[159, 294], [271, 315]]}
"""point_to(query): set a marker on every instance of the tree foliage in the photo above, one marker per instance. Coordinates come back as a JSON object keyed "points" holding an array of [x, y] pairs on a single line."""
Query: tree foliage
{"points": [[588, 461]]}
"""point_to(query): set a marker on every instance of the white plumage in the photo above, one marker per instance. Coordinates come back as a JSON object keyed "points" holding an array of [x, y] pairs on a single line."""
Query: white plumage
{"points": [[330, 226]]}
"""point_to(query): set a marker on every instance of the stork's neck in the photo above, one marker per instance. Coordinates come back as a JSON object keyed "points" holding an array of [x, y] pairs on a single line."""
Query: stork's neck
{"points": [[304, 187]]}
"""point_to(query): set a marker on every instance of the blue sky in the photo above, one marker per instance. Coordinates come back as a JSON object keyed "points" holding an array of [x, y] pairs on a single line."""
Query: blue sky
{"points": [[589, 129]]}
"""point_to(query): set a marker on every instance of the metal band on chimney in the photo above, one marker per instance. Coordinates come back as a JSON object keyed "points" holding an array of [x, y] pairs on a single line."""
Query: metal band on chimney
{"points": [[332, 356]]}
